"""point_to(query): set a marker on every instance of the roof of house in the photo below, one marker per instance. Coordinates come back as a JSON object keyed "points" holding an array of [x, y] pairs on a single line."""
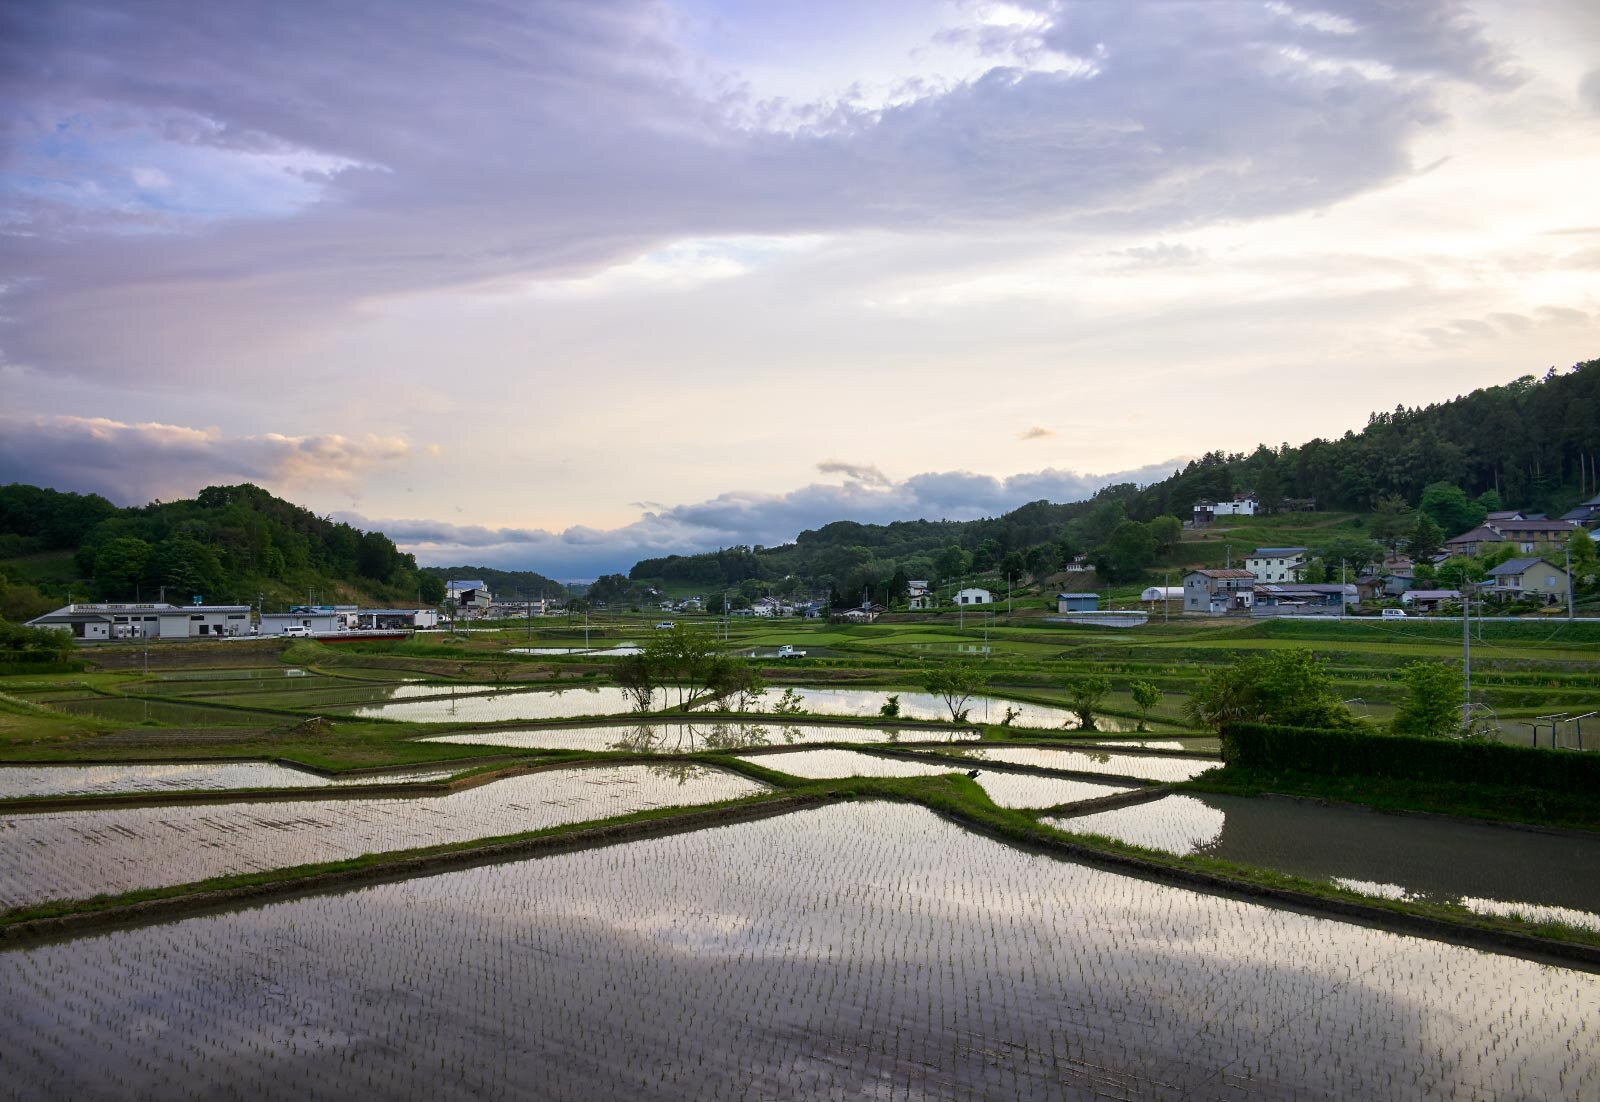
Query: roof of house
{"points": [[1239, 575], [1481, 534], [468, 583], [1537, 524], [1262, 552], [1307, 587], [1517, 566], [1064, 596], [1505, 514], [1433, 594]]}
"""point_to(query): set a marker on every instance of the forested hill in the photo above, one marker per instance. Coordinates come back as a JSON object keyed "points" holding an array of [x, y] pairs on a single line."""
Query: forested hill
{"points": [[1534, 442], [227, 544], [506, 585]]}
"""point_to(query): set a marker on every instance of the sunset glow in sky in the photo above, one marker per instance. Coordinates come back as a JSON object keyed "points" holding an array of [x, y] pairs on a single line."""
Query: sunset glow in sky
{"points": [[561, 285]]}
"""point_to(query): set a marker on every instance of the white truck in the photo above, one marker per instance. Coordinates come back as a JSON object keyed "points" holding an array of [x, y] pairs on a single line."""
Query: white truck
{"points": [[786, 651]]}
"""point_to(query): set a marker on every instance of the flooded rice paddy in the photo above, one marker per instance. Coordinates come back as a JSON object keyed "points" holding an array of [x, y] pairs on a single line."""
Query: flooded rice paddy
{"points": [[610, 700], [98, 780], [677, 737], [76, 854], [165, 713], [1005, 789], [1147, 767], [1489, 869], [854, 951]]}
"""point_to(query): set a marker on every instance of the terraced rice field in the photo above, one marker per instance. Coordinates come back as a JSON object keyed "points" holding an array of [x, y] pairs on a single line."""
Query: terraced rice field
{"points": [[854, 951], [1149, 767], [603, 700], [98, 780], [1487, 868], [681, 738], [77, 854], [1005, 789]]}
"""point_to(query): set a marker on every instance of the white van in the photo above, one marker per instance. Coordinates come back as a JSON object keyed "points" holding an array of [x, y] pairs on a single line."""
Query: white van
{"points": [[297, 629], [1394, 614]]}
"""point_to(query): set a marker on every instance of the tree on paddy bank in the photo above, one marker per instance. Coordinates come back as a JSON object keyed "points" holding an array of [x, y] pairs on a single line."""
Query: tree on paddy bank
{"points": [[1288, 687]]}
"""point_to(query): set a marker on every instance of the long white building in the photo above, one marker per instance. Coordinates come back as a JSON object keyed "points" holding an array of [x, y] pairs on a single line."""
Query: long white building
{"points": [[147, 621]]}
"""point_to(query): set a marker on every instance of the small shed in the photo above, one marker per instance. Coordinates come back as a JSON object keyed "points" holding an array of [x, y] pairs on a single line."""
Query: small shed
{"points": [[1077, 602], [1162, 593]]}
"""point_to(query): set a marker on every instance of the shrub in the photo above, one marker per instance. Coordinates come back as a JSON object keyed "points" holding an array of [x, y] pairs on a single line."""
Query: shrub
{"points": [[1274, 748]]}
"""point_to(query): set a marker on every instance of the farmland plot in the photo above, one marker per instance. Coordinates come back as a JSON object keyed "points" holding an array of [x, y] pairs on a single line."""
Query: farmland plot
{"points": [[670, 737], [1005, 789], [867, 950], [98, 780], [1144, 766], [1489, 869], [76, 854], [920, 705], [599, 700]]}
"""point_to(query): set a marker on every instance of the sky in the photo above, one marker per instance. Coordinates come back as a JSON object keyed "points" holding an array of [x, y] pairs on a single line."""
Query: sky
{"points": [[560, 285]]}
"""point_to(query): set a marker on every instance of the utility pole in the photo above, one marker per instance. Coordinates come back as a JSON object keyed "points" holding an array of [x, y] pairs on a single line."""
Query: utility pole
{"points": [[1569, 583], [1341, 589], [1166, 597], [1008, 592], [1466, 653]]}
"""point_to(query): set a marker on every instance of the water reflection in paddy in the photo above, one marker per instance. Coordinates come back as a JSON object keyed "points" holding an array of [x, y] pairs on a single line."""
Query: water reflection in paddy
{"points": [[611, 700], [670, 737], [1144, 766], [1491, 869], [1005, 789], [76, 854], [825, 954], [86, 780]]}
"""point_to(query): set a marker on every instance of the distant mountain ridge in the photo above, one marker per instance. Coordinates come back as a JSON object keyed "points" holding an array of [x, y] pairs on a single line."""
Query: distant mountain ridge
{"points": [[505, 585], [1534, 441]]}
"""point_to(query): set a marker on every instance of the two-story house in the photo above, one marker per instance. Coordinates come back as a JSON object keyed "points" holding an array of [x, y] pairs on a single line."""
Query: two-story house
{"points": [[1276, 564], [1528, 577], [1218, 591]]}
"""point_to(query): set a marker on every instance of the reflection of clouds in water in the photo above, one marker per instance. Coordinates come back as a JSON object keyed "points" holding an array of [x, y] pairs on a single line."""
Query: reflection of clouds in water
{"points": [[681, 737], [1175, 824]]}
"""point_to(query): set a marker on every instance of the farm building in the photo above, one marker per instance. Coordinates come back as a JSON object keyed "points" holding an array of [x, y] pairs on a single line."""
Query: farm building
{"points": [[1077, 602], [973, 597], [1162, 593], [1303, 599], [147, 621], [1429, 600]]}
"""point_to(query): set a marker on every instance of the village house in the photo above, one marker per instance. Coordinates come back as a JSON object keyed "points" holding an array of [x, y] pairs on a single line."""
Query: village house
{"points": [[1218, 591], [1276, 564], [918, 587], [973, 597], [1528, 577], [1528, 535], [1206, 511], [1587, 513], [924, 601]]}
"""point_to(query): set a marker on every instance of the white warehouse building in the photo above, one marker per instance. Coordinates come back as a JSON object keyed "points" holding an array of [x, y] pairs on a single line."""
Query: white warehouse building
{"points": [[147, 621]]}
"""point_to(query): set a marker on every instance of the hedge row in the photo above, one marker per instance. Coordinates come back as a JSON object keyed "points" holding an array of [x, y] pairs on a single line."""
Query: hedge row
{"points": [[1356, 753], [8, 669]]}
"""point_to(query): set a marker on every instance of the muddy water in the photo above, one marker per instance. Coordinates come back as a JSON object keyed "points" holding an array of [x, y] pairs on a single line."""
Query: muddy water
{"points": [[76, 854], [683, 738], [98, 780], [1494, 870], [858, 951], [1005, 789]]}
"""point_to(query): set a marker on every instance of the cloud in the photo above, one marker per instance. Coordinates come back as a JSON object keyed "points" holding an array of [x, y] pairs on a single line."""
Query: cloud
{"points": [[1037, 432], [859, 472], [316, 164], [741, 518], [135, 463], [1589, 90]]}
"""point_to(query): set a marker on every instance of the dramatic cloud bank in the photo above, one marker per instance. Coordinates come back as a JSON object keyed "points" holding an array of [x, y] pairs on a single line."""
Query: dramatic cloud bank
{"points": [[644, 250], [134, 464], [581, 553]]}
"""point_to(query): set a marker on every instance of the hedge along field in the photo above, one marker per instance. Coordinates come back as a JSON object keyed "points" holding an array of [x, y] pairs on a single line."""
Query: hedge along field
{"points": [[864, 950], [81, 854]]}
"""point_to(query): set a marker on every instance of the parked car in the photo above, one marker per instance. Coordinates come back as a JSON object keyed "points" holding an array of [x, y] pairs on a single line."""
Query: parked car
{"points": [[665, 625], [1394, 614]]}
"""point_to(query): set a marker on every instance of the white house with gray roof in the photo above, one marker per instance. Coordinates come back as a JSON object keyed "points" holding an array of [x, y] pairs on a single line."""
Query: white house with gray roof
{"points": [[1276, 564]]}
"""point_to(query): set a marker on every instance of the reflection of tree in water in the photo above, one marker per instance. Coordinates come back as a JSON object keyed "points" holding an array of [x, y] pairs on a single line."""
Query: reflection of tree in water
{"points": [[680, 771], [689, 738]]}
